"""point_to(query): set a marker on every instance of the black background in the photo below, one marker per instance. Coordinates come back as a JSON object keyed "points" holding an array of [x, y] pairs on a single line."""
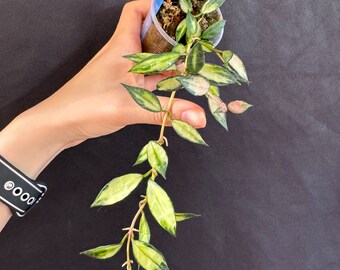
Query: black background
{"points": [[268, 190]]}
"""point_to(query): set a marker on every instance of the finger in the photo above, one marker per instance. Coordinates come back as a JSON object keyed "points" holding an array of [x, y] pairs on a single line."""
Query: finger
{"points": [[184, 110], [132, 16]]}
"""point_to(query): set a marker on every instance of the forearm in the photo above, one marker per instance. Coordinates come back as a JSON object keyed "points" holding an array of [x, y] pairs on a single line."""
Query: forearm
{"points": [[29, 142]]}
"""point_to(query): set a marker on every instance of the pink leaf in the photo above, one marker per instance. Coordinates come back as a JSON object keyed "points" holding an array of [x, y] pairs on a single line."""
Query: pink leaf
{"points": [[238, 106]]}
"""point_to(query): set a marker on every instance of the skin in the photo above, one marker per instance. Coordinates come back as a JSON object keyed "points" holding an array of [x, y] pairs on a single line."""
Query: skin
{"points": [[90, 105]]}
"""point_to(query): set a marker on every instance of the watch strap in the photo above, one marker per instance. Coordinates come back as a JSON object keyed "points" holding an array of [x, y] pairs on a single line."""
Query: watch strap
{"points": [[17, 190]]}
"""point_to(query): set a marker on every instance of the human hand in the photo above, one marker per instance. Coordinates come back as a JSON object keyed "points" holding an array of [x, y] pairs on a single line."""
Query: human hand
{"points": [[90, 105], [94, 103]]}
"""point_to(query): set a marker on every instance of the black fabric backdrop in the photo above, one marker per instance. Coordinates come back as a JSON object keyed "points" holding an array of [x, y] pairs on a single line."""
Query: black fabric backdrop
{"points": [[268, 190]]}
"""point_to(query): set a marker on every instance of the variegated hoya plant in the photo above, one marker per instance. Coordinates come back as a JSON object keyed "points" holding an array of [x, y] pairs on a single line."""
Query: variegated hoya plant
{"points": [[199, 78]]}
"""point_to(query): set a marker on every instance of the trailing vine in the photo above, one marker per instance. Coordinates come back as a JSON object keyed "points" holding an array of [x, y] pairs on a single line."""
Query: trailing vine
{"points": [[200, 79]]}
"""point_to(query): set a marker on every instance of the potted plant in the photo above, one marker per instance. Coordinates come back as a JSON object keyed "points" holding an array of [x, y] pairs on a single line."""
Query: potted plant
{"points": [[165, 24], [195, 28]]}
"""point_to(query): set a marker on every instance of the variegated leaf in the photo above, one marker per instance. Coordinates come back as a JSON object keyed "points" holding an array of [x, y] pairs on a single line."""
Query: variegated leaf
{"points": [[217, 74], [155, 63], [185, 216], [144, 98], [214, 106], [196, 59], [169, 84], [213, 30], [196, 85], [187, 132], [237, 65], [148, 256], [193, 27], [211, 5], [179, 48], [117, 189], [103, 252], [181, 30], [185, 5], [157, 157], [161, 207], [144, 229], [238, 106], [137, 57], [143, 155], [207, 46]]}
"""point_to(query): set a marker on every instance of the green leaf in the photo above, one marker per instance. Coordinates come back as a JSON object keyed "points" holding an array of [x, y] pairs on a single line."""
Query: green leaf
{"points": [[214, 106], [217, 74], [144, 98], [187, 132], [169, 84], [213, 89], [157, 157], [237, 65], [117, 189], [181, 29], [192, 25], [179, 48], [213, 30], [226, 55], [104, 252], [211, 5], [196, 59], [207, 46], [137, 57], [144, 229], [185, 5], [196, 85], [236, 76], [143, 155], [148, 256], [185, 216], [173, 67], [161, 207], [155, 63]]}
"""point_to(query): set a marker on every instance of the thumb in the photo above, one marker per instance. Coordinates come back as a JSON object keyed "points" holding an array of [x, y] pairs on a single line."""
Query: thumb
{"points": [[184, 110]]}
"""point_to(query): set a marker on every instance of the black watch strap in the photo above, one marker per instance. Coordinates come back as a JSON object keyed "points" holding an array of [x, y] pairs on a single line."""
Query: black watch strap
{"points": [[18, 191]]}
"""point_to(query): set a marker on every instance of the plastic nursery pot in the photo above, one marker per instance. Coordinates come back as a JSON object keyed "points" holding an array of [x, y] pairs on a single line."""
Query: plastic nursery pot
{"points": [[155, 39]]}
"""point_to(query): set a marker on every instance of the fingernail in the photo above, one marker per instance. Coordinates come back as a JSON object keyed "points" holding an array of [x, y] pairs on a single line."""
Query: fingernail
{"points": [[194, 118]]}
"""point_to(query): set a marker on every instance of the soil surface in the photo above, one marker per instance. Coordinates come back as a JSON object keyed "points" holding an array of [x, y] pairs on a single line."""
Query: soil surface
{"points": [[170, 15]]}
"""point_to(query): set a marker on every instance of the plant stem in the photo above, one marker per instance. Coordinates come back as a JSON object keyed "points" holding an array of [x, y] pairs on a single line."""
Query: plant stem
{"points": [[200, 19], [168, 110], [171, 101], [131, 230], [147, 173], [220, 56]]}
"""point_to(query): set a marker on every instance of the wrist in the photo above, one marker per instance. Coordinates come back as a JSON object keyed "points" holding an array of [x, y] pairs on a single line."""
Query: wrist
{"points": [[29, 142]]}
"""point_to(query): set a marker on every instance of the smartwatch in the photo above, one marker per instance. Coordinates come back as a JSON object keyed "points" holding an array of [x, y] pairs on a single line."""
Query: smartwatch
{"points": [[17, 191]]}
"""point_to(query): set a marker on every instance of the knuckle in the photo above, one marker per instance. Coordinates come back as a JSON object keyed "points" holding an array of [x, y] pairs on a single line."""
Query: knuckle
{"points": [[137, 80], [157, 118], [129, 6]]}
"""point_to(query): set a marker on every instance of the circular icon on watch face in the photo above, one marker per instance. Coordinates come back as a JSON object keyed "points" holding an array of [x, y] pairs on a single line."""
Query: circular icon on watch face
{"points": [[9, 185]]}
